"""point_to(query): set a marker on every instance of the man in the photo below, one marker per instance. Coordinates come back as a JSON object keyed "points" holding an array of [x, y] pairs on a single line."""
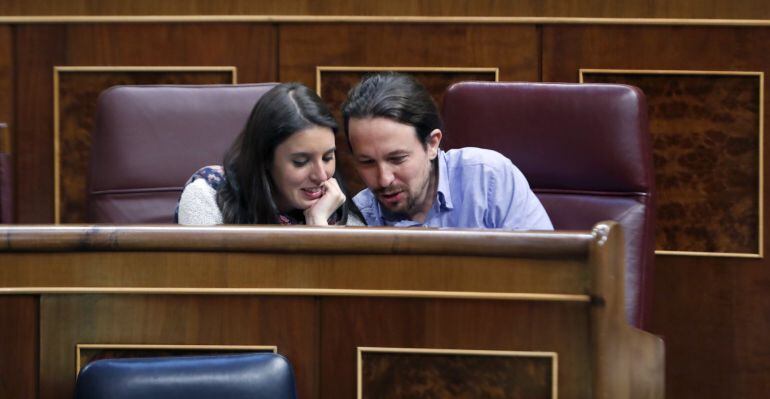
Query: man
{"points": [[394, 131]]}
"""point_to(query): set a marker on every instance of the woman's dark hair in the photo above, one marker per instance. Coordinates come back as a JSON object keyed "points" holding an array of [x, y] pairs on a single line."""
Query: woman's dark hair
{"points": [[246, 196], [395, 96]]}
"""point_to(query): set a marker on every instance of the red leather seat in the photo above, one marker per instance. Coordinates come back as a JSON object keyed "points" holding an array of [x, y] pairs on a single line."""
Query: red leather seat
{"points": [[585, 150], [148, 140]]}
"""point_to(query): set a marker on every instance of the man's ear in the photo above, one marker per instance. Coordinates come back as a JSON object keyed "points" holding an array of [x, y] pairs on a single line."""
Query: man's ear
{"points": [[433, 143]]}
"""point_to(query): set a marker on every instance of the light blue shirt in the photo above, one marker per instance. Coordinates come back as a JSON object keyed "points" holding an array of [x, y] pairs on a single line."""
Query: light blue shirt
{"points": [[477, 188]]}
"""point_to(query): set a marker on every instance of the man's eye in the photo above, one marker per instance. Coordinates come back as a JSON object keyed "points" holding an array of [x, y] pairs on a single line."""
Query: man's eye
{"points": [[398, 159], [365, 162]]}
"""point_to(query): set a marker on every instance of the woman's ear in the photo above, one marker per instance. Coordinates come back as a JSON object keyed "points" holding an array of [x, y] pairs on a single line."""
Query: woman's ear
{"points": [[434, 140]]}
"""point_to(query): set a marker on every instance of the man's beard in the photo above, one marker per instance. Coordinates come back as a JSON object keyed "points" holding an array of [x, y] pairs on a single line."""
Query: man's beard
{"points": [[405, 207]]}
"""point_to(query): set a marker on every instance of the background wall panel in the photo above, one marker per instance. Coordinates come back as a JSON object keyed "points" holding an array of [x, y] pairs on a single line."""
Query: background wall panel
{"points": [[40, 48], [710, 311], [251, 48], [539, 8], [302, 47]]}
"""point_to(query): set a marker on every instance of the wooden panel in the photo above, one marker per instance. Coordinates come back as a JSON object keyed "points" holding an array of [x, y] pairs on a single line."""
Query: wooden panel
{"points": [[334, 86], [710, 311], [76, 96], [452, 324], [251, 48], [209, 270], [706, 134], [34, 124], [413, 373], [289, 323], [18, 346], [248, 47], [574, 8], [302, 47], [6, 87], [566, 49]]}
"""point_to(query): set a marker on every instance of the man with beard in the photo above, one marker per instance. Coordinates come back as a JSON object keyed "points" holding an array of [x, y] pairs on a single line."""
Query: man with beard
{"points": [[394, 131]]}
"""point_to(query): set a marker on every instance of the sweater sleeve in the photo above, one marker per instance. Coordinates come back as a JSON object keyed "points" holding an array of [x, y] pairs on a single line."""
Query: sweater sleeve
{"points": [[198, 205]]}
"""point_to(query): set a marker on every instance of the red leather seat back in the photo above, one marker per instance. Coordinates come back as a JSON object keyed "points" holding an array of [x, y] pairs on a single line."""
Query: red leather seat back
{"points": [[148, 140], [586, 151]]}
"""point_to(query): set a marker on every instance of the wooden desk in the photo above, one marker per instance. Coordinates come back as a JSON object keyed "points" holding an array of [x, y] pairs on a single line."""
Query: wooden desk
{"points": [[366, 311]]}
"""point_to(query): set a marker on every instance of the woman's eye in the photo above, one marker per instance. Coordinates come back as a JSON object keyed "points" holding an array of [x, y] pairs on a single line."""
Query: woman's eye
{"points": [[328, 158], [299, 162]]}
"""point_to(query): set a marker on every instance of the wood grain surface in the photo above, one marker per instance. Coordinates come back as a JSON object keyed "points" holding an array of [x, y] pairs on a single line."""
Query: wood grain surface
{"points": [[18, 346], [749, 9]]}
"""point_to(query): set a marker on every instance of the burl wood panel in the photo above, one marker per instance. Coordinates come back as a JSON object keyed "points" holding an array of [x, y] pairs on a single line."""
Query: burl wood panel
{"points": [[452, 324], [77, 96], [335, 85], [423, 375], [745, 9], [251, 48], [710, 311], [705, 133], [18, 346], [287, 322]]}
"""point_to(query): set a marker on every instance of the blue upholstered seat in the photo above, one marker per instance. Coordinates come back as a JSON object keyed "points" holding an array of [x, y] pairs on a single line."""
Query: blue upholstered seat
{"points": [[242, 376]]}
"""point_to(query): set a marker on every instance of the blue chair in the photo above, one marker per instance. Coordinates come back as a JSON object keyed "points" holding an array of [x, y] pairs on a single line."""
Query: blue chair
{"points": [[242, 376]]}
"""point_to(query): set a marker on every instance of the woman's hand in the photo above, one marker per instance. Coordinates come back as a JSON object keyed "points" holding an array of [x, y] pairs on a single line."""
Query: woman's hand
{"points": [[320, 212]]}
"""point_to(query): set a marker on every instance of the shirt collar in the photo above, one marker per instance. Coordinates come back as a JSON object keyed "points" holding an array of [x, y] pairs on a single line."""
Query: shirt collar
{"points": [[443, 193]]}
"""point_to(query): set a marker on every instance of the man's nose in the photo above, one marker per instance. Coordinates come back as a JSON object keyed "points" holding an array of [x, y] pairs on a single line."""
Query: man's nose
{"points": [[385, 176]]}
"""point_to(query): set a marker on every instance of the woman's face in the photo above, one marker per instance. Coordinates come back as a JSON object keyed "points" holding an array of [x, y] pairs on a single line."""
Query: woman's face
{"points": [[300, 165]]}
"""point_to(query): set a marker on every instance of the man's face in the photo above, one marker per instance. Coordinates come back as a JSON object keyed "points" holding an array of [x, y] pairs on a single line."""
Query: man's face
{"points": [[394, 164]]}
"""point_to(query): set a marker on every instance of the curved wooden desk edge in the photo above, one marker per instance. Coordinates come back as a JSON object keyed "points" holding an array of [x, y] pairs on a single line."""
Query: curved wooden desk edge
{"points": [[348, 240]]}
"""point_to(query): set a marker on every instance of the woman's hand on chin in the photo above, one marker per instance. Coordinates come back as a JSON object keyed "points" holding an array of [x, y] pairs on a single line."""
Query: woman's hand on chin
{"points": [[319, 213]]}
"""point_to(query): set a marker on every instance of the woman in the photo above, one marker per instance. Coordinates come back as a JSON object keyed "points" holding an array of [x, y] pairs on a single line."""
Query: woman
{"points": [[280, 170]]}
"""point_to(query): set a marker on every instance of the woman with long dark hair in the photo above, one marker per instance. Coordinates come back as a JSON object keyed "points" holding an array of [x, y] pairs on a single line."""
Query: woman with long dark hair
{"points": [[280, 170]]}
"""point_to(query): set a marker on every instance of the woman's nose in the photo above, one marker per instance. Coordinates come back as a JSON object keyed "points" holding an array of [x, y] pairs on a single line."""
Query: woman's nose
{"points": [[319, 174]]}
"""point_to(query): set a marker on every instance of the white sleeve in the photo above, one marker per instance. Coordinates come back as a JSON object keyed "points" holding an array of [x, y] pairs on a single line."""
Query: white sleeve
{"points": [[198, 205]]}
